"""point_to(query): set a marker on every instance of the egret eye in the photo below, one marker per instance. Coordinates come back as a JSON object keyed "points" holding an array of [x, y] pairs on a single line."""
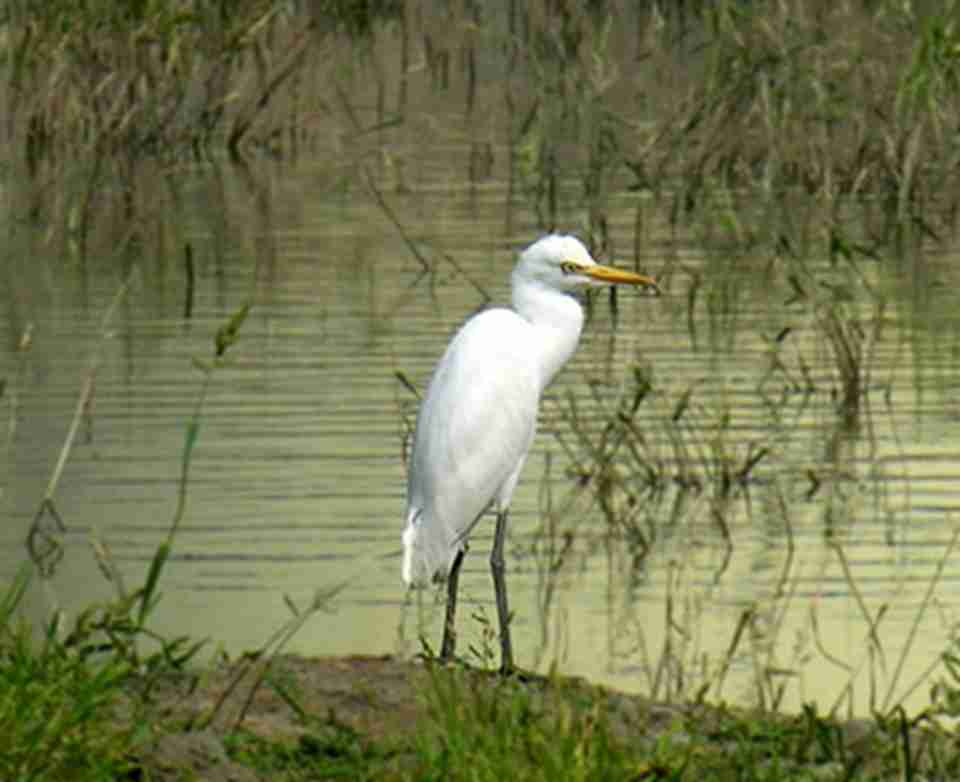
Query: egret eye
{"points": [[569, 267]]}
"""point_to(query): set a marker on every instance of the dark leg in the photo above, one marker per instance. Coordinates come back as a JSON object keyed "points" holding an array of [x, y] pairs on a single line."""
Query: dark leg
{"points": [[500, 587], [449, 627]]}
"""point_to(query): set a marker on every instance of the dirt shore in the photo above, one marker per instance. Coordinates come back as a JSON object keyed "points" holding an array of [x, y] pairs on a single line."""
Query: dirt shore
{"points": [[380, 700]]}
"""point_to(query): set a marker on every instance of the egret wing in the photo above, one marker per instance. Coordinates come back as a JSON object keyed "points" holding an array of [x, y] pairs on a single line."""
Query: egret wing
{"points": [[474, 429]]}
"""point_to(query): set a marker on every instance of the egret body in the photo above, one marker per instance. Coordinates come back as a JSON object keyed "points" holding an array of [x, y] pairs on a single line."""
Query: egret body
{"points": [[478, 418]]}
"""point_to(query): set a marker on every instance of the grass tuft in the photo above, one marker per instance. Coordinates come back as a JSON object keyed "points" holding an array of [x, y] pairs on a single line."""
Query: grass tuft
{"points": [[57, 705]]}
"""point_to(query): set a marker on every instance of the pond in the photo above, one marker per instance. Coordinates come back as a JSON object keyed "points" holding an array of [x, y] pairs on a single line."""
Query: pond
{"points": [[701, 509]]}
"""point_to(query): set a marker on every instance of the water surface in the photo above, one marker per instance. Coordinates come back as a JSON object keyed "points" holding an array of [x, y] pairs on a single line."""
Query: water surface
{"points": [[297, 479]]}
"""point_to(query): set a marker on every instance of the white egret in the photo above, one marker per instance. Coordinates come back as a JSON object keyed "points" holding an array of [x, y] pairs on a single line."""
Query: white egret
{"points": [[478, 419]]}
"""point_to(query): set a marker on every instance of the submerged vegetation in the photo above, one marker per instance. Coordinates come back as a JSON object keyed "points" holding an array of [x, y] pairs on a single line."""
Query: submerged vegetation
{"points": [[812, 144]]}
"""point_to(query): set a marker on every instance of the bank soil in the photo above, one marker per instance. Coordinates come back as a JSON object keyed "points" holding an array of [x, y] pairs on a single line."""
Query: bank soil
{"points": [[377, 700]]}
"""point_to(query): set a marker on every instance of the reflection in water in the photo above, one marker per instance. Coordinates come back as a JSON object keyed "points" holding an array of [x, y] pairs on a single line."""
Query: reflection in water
{"points": [[709, 505]]}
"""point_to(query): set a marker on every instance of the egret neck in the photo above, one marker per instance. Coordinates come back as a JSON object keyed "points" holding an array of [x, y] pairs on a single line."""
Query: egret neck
{"points": [[556, 315]]}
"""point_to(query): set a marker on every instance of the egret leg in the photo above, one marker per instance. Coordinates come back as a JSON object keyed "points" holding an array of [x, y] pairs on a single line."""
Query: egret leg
{"points": [[500, 587], [449, 625]]}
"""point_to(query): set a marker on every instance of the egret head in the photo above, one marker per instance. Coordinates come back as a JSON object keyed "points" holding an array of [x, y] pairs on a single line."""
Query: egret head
{"points": [[563, 263]]}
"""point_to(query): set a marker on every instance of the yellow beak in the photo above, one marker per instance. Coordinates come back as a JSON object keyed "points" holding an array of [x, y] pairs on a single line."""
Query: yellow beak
{"points": [[620, 277]]}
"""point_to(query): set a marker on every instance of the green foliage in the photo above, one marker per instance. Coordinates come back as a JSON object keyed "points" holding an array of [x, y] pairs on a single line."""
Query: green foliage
{"points": [[495, 729], [482, 729], [934, 68], [56, 704], [357, 18], [328, 749], [945, 694], [60, 694]]}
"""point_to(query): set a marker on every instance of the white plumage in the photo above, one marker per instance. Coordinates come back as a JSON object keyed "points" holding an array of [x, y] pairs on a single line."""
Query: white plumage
{"points": [[479, 416]]}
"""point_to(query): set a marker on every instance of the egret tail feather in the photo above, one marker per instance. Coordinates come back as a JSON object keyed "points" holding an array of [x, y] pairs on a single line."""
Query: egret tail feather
{"points": [[425, 559]]}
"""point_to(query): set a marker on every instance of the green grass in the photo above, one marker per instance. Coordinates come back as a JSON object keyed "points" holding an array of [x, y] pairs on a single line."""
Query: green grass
{"points": [[483, 728], [330, 750], [57, 704], [68, 712], [62, 689]]}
